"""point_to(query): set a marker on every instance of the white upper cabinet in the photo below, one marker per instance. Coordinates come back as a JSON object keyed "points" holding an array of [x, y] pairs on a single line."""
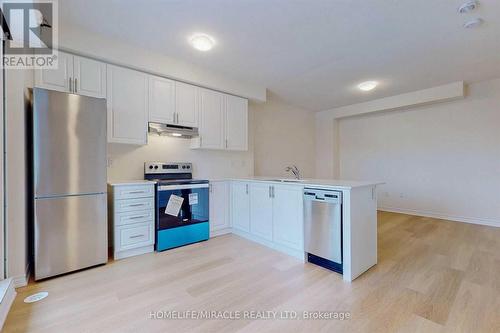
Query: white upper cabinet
{"points": [[236, 123], [57, 79], [288, 216], [89, 77], [161, 100], [78, 75], [127, 101], [261, 211], [211, 120], [240, 206], [186, 104]]}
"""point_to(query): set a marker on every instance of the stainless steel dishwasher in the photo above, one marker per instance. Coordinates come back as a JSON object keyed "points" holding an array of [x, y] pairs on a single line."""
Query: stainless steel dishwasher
{"points": [[323, 227]]}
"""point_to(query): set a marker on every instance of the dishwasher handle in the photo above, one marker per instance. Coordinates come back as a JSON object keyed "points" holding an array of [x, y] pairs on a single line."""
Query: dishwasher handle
{"points": [[329, 196]]}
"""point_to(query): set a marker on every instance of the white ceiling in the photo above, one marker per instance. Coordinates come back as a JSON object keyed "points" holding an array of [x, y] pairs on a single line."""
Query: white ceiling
{"points": [[311, 53]]}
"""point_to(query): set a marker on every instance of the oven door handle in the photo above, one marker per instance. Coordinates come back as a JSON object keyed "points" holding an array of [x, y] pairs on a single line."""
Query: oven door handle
{"points": [[181, 187]]}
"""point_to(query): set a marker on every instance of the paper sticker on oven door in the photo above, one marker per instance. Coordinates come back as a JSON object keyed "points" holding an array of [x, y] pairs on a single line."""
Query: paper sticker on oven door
{"points": [[174, 205], [193, 198]]}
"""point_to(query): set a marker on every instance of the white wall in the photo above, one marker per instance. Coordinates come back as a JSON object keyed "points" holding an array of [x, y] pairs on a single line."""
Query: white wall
{"points": [[441, 160], [16, 82], [283, 135], [127, 161]]}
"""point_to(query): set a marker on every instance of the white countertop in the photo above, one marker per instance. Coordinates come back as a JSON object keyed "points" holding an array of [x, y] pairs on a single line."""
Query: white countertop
{"points": [[329, 183], [131, 182]]}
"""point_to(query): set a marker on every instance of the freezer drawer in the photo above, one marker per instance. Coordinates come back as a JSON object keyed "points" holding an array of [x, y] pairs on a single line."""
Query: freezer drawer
{"points": [[70, 234]]}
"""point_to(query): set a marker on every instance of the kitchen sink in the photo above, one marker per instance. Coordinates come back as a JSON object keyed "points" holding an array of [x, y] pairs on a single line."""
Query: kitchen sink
{"points": [[285, 180]]}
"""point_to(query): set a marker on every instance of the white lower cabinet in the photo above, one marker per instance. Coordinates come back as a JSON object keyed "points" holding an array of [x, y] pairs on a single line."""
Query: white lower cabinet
{"points": [[240, 206], [288, 216], [269, 213], [132, 219], [219, 208], [261, 211]]}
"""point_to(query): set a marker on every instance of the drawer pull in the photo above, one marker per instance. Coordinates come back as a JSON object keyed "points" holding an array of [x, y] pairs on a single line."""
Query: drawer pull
{"points": [[137, 236], [137, 217], [135, 192], [136, 205]]}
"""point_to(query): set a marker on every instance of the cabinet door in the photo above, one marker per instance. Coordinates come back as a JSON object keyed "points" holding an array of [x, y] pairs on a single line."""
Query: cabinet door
{"points": [[56, 79], [288, 216], [219, 204], [90, 77], [186, 104], [127, 105], [211, 119], [161, 100], [240, 206], [261, 211], [236, 123]]}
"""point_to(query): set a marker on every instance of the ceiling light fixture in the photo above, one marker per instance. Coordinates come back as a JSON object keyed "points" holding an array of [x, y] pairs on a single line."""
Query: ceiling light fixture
{"points": [[202, 42], [368, 85], [176, 134], [474, 23], [467, 7]]}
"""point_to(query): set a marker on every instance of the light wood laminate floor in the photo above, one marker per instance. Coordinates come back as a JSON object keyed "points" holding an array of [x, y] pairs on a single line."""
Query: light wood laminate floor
{"points": [[432, 276]]}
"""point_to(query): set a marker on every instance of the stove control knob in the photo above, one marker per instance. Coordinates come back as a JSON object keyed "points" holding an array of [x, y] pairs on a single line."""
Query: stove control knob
{"points": [[189, 167], [184, 167], [156, 167], [150, 167]]}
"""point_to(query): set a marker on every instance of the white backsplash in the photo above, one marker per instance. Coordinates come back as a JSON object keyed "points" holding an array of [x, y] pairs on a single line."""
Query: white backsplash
{"points": [[126, 162]]}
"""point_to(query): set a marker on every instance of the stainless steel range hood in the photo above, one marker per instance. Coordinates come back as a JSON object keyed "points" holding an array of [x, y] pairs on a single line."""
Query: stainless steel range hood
{"points": [[173, 130]]}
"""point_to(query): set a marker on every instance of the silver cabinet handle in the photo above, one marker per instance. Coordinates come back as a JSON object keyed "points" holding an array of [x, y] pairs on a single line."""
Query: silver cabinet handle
{"points": [[135, 192], [137, 236], [270, 192], [246, 188], [70, 84], [135, 205], [76, 84], [273, 191], [137, 217], [210, 188]]}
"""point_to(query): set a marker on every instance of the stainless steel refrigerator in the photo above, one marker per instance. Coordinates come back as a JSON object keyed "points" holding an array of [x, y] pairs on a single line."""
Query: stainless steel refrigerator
{"points": [[69, 210]]}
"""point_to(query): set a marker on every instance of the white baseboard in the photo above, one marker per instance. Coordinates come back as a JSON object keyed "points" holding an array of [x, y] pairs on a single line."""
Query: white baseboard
{"points": [[472, 220], [215, 233], [299, 254], [133, 252], [20, 281], [7, 300]]}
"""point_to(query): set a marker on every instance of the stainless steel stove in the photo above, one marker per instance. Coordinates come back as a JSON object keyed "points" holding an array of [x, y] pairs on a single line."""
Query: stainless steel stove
{"points": [[182, 204]]}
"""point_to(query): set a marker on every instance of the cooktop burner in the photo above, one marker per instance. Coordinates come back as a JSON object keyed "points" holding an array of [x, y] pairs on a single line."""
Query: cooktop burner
{"points": [[171, 173]]}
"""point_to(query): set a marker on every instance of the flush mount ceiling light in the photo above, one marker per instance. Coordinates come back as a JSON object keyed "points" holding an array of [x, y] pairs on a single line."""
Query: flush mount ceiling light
{"points": [[474, 23], [467, 7], [367, 85], [176, 134], [202, 42]]}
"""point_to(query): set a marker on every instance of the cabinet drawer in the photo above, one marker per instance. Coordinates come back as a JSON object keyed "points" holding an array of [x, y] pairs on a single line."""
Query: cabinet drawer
{"points": [[134, 205], [134, 217], [133, 191], [134, 236]]}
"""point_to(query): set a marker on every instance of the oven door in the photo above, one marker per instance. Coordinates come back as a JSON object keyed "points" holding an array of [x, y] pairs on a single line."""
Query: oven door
{"points": [[189, 205]]}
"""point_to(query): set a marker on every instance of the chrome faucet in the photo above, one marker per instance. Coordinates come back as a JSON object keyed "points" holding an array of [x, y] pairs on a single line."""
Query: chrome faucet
{"points": [[293, 169]]}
